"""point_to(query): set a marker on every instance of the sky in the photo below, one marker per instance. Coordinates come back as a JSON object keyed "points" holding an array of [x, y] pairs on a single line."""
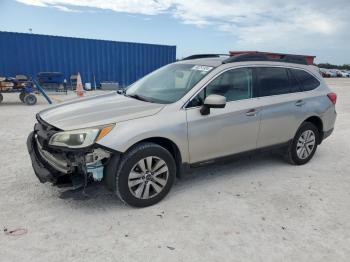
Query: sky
{"points": [[313, 27]]}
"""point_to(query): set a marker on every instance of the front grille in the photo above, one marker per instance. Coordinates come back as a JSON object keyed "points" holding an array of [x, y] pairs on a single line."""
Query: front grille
{"points": [[41, 141], [43, 132], [56, 161]]}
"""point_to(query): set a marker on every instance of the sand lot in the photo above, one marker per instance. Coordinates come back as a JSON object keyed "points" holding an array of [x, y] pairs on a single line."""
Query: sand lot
{"points": [[259, 209]]}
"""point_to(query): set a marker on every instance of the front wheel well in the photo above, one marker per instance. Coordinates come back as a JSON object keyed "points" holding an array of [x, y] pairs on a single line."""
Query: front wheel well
{"points": [[315, 120], [168, 145]]}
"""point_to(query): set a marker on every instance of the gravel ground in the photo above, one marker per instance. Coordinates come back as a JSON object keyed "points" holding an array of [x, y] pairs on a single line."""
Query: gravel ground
{"points": [[259, 209]]}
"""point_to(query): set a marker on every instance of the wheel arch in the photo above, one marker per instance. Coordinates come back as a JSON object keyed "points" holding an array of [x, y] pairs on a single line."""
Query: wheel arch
{"points": [[169, 145], [317, 121]]}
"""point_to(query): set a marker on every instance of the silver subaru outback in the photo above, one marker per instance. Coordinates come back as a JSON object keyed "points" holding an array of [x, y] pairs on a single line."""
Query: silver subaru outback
{"points": [[181, 116]]}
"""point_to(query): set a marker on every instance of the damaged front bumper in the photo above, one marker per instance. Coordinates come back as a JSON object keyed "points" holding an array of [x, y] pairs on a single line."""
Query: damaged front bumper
{"points": [[55, 165], [42, 169]]}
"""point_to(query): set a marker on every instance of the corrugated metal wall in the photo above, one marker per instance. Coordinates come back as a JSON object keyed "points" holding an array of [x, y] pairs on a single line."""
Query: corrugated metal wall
{"points": [[122, 62]]}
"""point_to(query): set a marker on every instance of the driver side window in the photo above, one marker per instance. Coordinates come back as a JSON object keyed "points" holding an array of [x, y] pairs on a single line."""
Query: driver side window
{"points": [[235, 84]]}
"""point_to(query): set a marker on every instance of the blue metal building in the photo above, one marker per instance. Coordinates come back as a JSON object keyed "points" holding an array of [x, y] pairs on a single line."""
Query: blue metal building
{"points": [[122, 62]]}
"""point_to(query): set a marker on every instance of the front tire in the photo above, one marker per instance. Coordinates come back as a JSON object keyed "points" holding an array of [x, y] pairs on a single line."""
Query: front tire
{"points": [[145, 175], [304, 144]]}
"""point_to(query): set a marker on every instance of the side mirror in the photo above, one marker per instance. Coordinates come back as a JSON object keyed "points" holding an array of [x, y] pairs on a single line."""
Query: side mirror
{"points": [[212, 101]]}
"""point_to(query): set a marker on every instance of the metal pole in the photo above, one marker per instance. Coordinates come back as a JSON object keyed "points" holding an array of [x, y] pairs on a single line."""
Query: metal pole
{"points": [[95, 82], [42, 91]]}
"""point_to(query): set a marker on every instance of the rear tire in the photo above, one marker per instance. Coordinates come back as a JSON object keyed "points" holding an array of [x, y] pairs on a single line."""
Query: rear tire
{"points": [[304, 144], [144, 176], [30, 99], [21, 96]]}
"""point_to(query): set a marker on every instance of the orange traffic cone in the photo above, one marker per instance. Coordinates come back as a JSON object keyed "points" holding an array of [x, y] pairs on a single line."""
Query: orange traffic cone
{"points": [[79, 89]]}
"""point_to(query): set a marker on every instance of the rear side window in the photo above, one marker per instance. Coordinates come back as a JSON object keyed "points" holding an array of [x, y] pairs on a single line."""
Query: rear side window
{"points": [[306, 80], [273, 81], [294, 83]]}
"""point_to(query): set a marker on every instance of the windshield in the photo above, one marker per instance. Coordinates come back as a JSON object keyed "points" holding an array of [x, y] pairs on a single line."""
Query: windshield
{"points": [[167, 84]]}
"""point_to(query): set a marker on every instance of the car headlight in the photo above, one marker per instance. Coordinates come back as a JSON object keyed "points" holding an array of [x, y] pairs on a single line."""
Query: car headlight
{"points": [[80, 138]]}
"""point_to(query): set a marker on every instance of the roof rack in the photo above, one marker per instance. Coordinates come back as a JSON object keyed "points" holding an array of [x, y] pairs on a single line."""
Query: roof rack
{"points": [[294, 59], [246, 57], [243, 56], [198, 56]]}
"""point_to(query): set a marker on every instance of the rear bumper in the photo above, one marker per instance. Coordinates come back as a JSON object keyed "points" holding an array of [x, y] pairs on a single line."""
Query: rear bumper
{"points": [[327, 133], [42, 169]]}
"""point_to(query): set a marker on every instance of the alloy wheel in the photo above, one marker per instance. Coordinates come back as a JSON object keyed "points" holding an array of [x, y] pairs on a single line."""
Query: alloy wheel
{"points": [[306, 144], [148, 177]]}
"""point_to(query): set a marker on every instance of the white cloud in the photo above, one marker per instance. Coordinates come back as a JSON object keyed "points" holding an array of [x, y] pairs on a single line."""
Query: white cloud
{"points": [[147, 7], [32, 2], [254, 23], [65, 8]]}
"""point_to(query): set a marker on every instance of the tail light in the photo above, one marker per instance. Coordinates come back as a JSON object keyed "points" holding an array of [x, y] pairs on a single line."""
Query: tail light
{"points": [[332, 97]]}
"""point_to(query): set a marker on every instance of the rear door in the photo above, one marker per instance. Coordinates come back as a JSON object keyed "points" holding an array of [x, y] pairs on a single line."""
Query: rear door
{"points": [[281, 99]]}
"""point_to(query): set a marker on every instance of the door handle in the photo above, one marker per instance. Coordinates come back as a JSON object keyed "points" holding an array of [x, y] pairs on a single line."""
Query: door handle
{"points": [[251, 112], [300, 103]]}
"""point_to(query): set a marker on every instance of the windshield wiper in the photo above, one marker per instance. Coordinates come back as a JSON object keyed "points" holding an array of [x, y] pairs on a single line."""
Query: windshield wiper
{"points": [[138, 97]]}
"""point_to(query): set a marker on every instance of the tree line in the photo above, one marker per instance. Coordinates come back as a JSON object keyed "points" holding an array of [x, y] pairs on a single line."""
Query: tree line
{"points": [[330, 66]]}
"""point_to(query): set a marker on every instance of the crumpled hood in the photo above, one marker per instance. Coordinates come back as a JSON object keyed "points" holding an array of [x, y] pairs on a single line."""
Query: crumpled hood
{"points": [[97, 110]]}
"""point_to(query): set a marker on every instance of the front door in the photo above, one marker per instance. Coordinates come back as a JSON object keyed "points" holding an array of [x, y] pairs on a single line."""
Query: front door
{"points": [[226, 131]]}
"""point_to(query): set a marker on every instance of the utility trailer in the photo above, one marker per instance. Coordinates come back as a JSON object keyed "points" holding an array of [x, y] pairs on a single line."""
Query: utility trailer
{"points": [[21, 85], [24, 87]]}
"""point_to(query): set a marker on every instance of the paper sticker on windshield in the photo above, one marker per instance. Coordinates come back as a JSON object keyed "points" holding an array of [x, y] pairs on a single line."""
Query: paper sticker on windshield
{"points": [[202, 68]]}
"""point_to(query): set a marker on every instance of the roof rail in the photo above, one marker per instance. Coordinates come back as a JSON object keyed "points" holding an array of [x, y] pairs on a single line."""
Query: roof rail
{"points": [[197, 56], [246, 57], [241, 56]]}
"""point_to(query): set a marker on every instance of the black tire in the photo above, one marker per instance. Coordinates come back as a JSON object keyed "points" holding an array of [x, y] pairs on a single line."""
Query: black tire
{"points": [[292, 154], [118, 170], [30, 99], [110, 171], [21, 96], [1, 98]]}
